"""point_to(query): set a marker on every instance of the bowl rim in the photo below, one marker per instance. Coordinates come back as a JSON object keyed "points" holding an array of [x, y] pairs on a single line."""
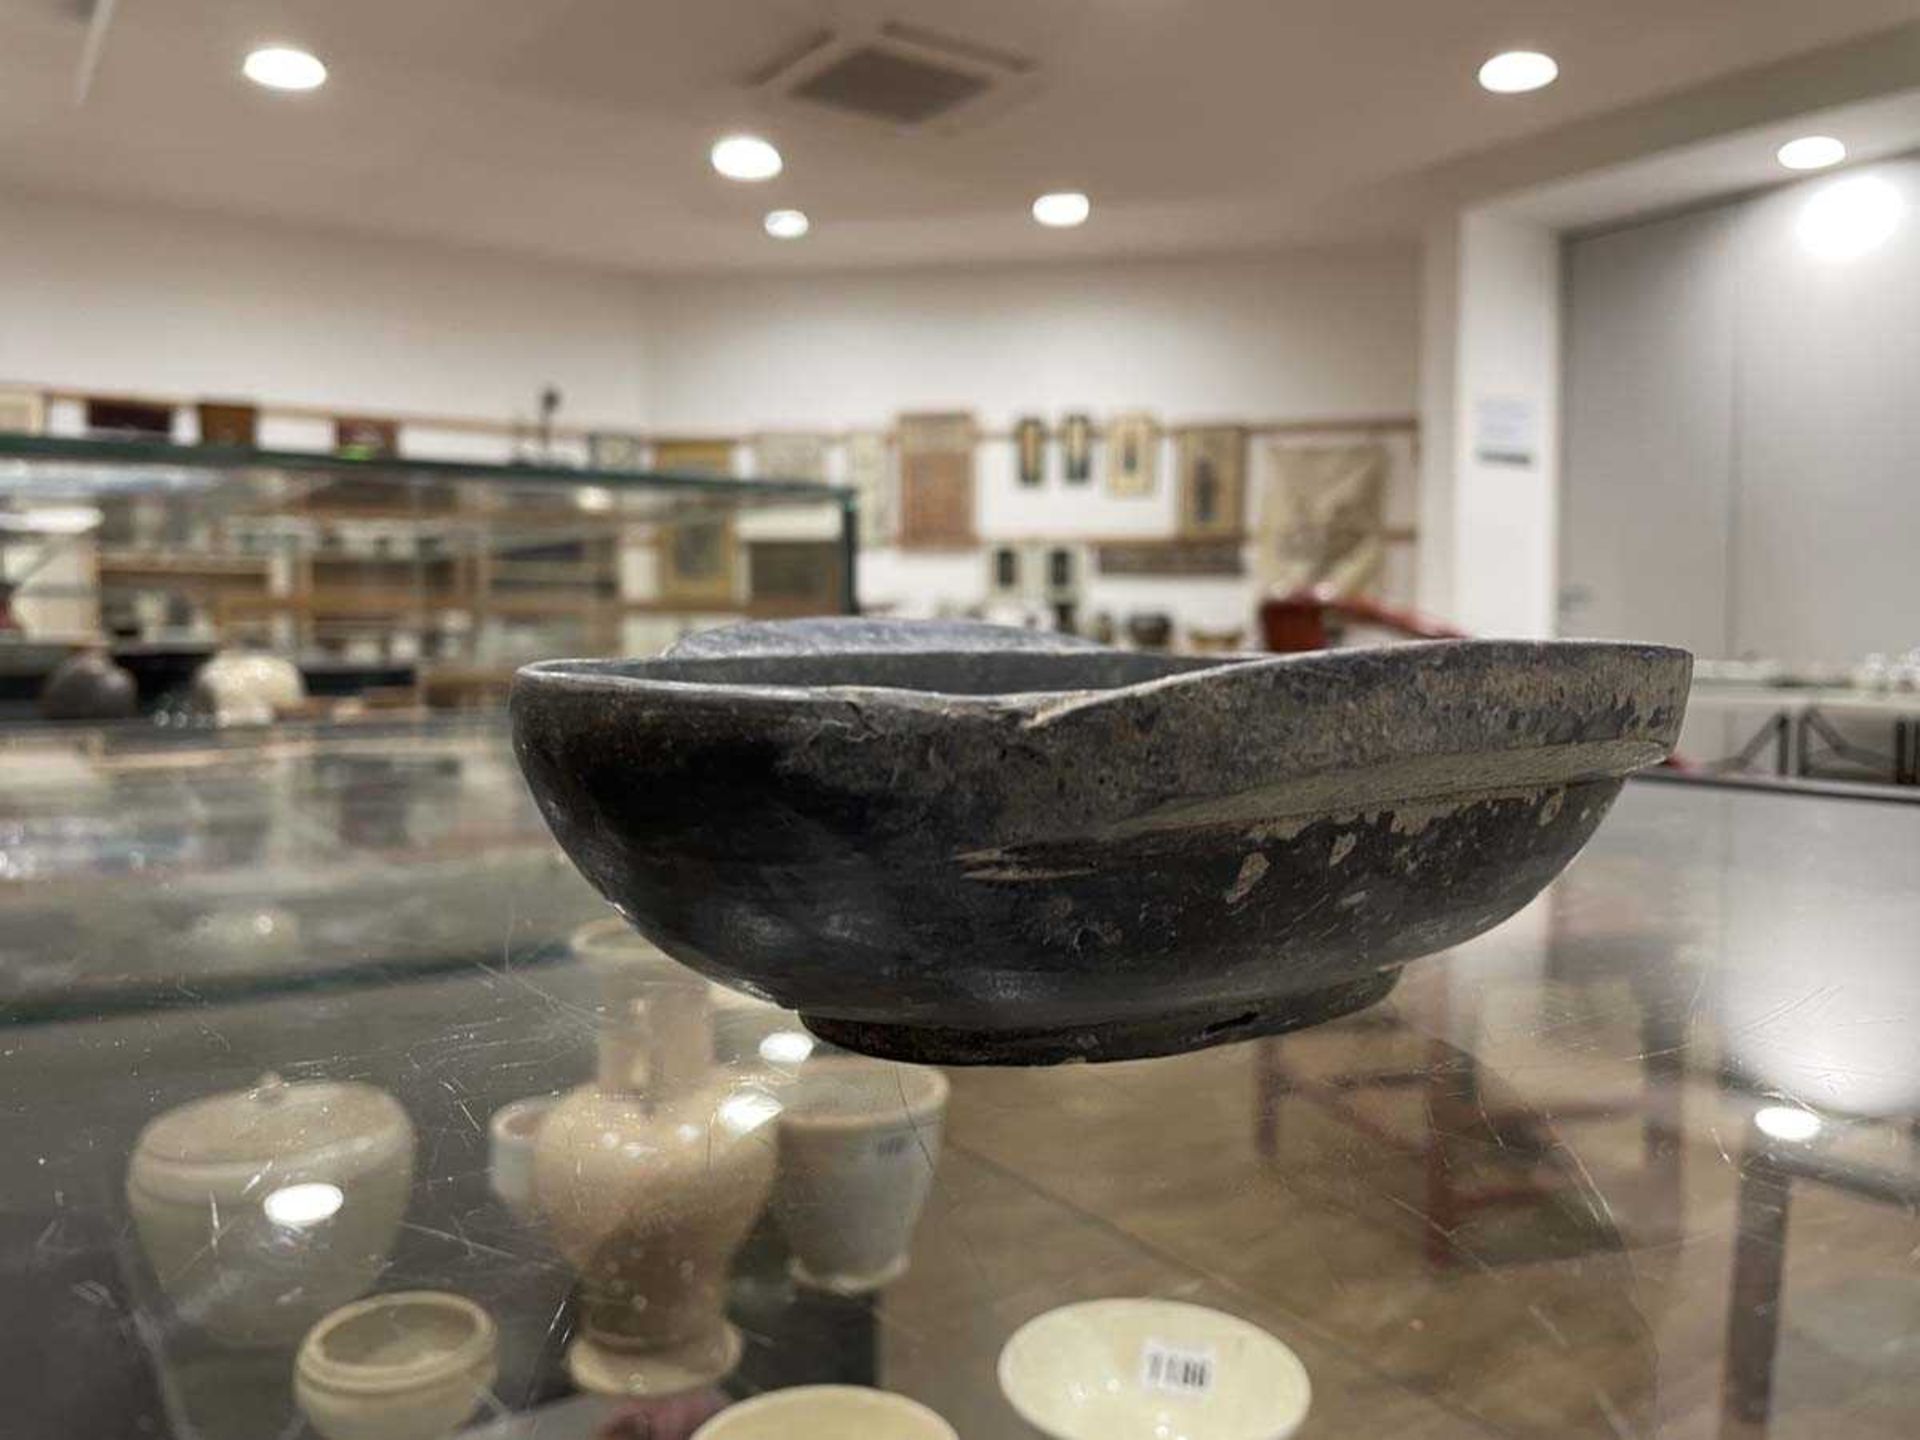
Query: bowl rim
{"points": [[787, 1395], [477, 1347], [921, 1108], [618, 677], [1277, 1352]]}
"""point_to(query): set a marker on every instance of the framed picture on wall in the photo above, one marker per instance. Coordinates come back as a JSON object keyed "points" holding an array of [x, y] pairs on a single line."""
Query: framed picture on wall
{"points": [[129, 419], [1133, 450], [1004, 573], [694, 457], [1213, 464], [1076, 448], [228, 423], [23, 412], [1030, 451], [1063, 571], [800, 576], [936, 481], [1322, 518], [360, 438], [790, 455], [870, 475], [615, 451], [696, 561]]}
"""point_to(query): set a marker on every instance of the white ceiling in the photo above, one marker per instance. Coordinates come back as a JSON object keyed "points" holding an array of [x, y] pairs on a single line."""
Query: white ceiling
{"points": [[578, 129]]}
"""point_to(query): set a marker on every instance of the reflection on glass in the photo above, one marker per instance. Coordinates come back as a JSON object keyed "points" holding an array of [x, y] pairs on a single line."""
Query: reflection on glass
{"points": [[786, 1047], [299, 1205], [858, 1142], [1787, 1122]]}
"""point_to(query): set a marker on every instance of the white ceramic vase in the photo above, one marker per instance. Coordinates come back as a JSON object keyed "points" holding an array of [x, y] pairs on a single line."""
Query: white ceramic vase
{"points": [[827, 1412], [247, 687], [407, 1366], [512, 1136], [648, 1180], [1131, 1369], [261, 1210], [859, 1140], [741, 1023]]}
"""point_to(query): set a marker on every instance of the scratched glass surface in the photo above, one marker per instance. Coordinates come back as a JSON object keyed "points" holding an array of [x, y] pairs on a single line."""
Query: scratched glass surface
{"points": [[1642, 1161]]}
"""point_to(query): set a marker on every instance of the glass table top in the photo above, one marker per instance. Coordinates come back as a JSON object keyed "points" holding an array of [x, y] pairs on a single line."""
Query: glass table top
{"points": [[1642, 1161]]}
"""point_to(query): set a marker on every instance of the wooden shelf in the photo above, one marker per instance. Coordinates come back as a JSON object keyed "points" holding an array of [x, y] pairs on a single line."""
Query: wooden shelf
{"points": [[167, 565]]}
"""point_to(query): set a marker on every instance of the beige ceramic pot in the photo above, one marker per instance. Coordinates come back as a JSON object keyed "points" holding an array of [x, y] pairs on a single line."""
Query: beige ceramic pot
{"points": [[1150, 1369], [247, 687], [827, 1412], [859, 1139], [648, 1180], [409, 1366], [261, 1210]]}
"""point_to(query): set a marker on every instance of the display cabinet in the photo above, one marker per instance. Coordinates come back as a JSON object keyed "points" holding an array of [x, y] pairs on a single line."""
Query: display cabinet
{"points": [[456, 572], [316, 1050]]}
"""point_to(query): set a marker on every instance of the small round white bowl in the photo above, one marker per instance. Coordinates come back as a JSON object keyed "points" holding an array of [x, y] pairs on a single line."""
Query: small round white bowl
{"points": [[412, 1365], [1152, 1370], [827, 1412]]}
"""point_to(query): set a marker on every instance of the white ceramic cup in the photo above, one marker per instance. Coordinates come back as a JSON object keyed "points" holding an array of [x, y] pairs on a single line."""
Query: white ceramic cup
{"points": [[859, 1139], [511, 1134], [827, 1412]]}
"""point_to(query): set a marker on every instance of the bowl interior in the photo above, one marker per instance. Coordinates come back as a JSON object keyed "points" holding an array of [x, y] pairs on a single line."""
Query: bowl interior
{"points": [[981, 672], [1151, 1369], [401, 1334], [827, 1412]]}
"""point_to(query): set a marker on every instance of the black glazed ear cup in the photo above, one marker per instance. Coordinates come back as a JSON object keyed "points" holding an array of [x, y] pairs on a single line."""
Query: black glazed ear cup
{"points": [[964, 843]]}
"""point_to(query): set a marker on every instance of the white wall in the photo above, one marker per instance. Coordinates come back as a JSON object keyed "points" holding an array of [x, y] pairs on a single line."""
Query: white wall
{"points": [[95, 296], [1649, 433], [1439, 399], [100, 297], [1742, 432], [1501, 543], [1299, 336]]}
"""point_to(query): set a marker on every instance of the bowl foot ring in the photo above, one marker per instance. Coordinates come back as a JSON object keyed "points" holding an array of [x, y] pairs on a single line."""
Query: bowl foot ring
{"points": [[1174, 1034]]}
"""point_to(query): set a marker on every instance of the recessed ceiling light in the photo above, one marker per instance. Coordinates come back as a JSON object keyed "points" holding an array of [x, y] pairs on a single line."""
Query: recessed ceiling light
{"points": [[745, 157], [1062, 209], [280, 67], [1846, 218], [787, 224], [1514, 71], [1811, 152]]}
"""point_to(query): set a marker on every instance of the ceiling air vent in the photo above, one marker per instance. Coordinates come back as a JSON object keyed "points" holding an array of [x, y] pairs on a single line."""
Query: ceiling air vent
{"points": [[904, 76]]}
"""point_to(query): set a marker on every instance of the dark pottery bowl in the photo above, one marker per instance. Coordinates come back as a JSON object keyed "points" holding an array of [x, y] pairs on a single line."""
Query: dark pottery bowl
{"points": [[960, 844]]}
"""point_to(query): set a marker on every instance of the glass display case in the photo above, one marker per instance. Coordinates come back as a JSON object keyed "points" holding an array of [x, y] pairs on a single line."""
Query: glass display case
{"points": [[321, 1066], [430, 577]]}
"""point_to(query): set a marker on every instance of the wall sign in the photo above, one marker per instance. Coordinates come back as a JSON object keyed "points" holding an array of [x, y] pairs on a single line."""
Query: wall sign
{"points": [[790, 455], [1506, 430], [1170, 557]]}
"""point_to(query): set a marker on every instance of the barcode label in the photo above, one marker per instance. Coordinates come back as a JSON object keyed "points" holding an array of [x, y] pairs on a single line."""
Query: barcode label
{"points": [[1181, 1372]]}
